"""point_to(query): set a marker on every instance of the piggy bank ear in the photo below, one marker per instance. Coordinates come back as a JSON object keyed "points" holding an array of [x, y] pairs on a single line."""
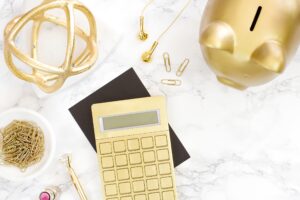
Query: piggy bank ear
{"points": [[270, 56], [218, 35]]}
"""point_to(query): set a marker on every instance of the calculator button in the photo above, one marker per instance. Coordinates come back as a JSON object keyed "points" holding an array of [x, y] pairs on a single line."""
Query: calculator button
{"points": [[140, 197], [163, 155], [136, 172], [124, 188], [107, 162], [150, 170], [109, 176], [133, 144], [169, 195], [111, 190], [123, 174], [147, 143], [119, 146], [138, 186], [154, 196], [164, 169], [166, 182], [105, 148], [152, 184], [121, 160], [161, 141], [135, 158], [126, 198], [149, 156]]}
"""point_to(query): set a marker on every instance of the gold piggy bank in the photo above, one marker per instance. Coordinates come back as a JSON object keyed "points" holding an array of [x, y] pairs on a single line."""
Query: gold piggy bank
{"points": [[249, 42]]}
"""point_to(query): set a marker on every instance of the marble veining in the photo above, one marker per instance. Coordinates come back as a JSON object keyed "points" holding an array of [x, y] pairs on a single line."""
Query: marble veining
{"points": [[244, 145]]}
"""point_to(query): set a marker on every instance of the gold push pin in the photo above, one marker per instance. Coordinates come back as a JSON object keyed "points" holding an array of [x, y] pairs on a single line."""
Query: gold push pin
{"points": [[67, 160], [182, 67], [142, 35], [147, 56], [167, 61], [172, 82]]}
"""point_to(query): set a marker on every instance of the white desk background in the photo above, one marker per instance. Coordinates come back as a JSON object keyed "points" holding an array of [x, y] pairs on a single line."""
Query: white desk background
{"points": [[244, 145]]}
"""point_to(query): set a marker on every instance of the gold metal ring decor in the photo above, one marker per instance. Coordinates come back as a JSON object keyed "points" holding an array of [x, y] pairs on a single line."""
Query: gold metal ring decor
{"points": [[248, 43], [51, 78]]}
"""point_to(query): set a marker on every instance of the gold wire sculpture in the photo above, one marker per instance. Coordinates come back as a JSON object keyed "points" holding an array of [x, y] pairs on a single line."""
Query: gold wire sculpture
{"points": [[51, 78], [22, 144]]}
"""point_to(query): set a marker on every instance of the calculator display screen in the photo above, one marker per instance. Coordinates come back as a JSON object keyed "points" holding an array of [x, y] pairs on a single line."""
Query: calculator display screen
{"points": [[131, 120]]}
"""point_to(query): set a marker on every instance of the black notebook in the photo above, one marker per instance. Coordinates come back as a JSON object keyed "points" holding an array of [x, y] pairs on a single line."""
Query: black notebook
{"points": [[126, 86]]}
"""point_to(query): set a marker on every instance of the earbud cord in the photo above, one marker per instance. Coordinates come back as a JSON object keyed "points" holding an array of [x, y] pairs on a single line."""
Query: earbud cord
{"points": [[146, 6], [174, 20]]}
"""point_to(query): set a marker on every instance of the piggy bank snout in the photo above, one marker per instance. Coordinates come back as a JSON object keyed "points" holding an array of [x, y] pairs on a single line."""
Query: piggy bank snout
{"points": [[251, 45], [218, 42], [220, 36]]}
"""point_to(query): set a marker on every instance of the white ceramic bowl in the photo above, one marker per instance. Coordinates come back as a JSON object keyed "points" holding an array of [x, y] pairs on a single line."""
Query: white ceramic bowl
{"points": [[14, 174]]}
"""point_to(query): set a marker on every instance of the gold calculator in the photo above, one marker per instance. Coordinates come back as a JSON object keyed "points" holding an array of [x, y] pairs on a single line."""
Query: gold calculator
{"points": [[134, 149]]}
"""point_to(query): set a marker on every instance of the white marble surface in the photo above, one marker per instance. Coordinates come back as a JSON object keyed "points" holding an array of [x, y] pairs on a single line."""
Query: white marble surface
{"points": [[244, 145]]}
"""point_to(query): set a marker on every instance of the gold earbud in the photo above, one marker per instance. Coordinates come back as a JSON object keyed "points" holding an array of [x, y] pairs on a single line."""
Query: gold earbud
{"points": [[142, 35], [147, 56]]}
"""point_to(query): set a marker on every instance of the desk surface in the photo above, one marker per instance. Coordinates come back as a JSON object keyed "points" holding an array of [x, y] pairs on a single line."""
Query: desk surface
{"points": [[244, 145]]}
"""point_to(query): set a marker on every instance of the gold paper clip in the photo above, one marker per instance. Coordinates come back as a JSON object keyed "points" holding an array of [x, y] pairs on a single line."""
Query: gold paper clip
{"points": [[67, 160], [167, 61], [182, 67], [173, 82]]}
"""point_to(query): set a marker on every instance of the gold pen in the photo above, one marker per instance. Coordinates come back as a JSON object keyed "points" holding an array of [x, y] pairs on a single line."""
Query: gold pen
{"points": [[74, 178]]}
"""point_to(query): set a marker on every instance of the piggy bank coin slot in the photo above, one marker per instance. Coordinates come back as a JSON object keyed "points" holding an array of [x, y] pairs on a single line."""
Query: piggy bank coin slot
{"points": [[255, 18]]}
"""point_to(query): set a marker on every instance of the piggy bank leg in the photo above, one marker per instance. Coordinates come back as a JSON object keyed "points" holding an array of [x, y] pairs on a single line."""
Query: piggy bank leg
{"points": [[231, 83], [270, 56], [218, 35]]}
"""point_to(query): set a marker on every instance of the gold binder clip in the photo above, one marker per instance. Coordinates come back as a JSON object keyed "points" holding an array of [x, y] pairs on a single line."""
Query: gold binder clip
{"points": [[172, 82], [142, 35], [182, 67], [147, 56], [167, 61]]}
